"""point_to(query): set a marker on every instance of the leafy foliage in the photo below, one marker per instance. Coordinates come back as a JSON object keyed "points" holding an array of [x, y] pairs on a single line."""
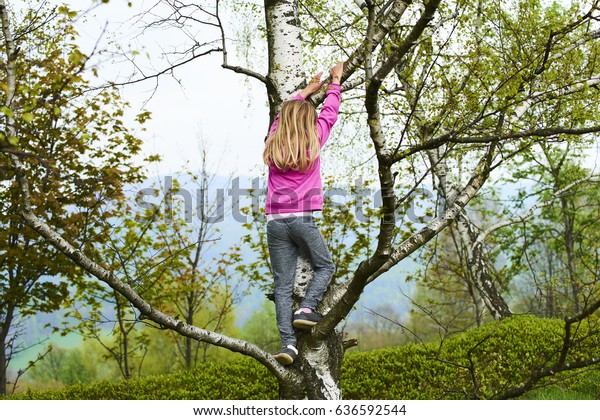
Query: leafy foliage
{"points": [[76, 153], [479, 363], [244, 379]]}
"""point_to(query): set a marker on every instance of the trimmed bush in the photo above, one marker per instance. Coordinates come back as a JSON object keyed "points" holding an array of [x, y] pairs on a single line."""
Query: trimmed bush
{"points": [[243, 379], [479, 363]]}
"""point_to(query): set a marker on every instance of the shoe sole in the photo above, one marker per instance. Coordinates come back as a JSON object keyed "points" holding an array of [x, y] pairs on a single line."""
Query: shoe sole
{"points": [[283, 358], [304, 324]]}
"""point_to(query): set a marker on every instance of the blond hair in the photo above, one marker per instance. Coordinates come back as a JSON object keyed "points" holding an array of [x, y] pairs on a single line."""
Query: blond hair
{"points": [[294, 145]]}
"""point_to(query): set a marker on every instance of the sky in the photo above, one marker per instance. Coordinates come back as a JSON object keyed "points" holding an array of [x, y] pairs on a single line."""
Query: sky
{"points": [[211, 106]]}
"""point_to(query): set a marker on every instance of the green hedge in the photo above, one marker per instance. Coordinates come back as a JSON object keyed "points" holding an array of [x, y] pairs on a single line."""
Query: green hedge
{"points": [[243, 379], [480, 362]]}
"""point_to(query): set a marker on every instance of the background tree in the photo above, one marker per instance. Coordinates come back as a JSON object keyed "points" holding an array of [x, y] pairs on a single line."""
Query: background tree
{"points": [[201, 290], [73, 147], [261, 328], [163, 250], [552, 251], [66, 367]]}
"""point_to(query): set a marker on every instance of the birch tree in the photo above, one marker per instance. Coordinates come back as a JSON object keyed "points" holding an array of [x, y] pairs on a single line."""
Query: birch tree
{"points": [[405, 66]]}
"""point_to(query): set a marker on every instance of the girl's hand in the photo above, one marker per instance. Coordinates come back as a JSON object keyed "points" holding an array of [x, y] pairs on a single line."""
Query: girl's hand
{"points": [[336, 72], [313, 86]]}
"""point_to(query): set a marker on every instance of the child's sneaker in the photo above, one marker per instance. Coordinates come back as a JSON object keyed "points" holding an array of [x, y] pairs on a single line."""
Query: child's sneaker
{"points": [[305, 320], [286, 355]]}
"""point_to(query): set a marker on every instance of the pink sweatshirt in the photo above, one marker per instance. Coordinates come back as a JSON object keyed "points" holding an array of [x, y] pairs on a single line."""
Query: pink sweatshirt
{"points": [[293, 191]]}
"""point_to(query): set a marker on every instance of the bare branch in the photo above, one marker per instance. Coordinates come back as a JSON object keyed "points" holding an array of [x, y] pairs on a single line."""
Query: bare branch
{"points": [[225, 65], [127, 291], [356, 58], [452, 138], [532, 209], [167, 70], [370, 269]]}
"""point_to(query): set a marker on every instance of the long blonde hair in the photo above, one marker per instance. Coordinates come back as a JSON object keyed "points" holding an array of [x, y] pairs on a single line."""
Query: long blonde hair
{"points": [[294, 145]]}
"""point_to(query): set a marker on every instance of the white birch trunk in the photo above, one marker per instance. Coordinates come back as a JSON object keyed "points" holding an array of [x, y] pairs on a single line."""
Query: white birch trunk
{"points": [[477, 264], [286, 73], [320, 360]]}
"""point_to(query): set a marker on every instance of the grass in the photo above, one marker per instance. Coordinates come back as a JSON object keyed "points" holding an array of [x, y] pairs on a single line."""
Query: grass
{"points": [[587, 387]]}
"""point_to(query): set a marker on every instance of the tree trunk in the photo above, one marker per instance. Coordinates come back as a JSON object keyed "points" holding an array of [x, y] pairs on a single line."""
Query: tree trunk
{"points": [[5, 351], [478, 266], [189, 342], [318, 369], [569, 222], [124, 333], [3, 360], [319, 363], [286, 73]]}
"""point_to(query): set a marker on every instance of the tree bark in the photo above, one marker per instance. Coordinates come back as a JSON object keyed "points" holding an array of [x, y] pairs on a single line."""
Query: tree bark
{"points": [[4, 360], [11, 83], [285, 52], [319, 363], [478, 267]]}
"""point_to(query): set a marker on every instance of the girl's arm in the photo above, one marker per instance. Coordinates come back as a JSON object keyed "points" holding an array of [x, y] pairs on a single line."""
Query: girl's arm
{"points": [[313, 86], [329, 113], [331, 106]]}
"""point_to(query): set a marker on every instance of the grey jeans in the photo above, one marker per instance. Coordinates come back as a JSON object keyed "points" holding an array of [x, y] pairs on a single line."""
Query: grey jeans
{"points": [[285, 237]]}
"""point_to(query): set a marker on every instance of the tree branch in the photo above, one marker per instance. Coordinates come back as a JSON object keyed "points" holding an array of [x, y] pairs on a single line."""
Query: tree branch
{"points": [[145, 309], [349, 293], [561, 364], [225, 65], [450, 138], [383, 28], [407, 43], [161, 72], [559, 92], [481, 237]]}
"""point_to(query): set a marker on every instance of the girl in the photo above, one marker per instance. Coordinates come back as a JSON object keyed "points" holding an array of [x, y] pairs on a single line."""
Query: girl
{"points": [[294, 191]]}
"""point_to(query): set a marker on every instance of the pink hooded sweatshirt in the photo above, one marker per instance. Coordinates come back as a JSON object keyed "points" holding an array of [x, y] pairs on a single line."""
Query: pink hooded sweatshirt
{"points": [[293, 191]]}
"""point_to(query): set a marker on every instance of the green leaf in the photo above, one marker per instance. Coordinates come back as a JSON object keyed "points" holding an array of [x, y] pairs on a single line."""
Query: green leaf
{"points": [[64, 10], [7, 111], [13, 140], [28, 117], [76, 57]]}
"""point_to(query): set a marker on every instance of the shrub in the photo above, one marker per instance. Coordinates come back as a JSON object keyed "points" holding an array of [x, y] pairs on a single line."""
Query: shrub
{"points": [[479, 363], [243, 379]]}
